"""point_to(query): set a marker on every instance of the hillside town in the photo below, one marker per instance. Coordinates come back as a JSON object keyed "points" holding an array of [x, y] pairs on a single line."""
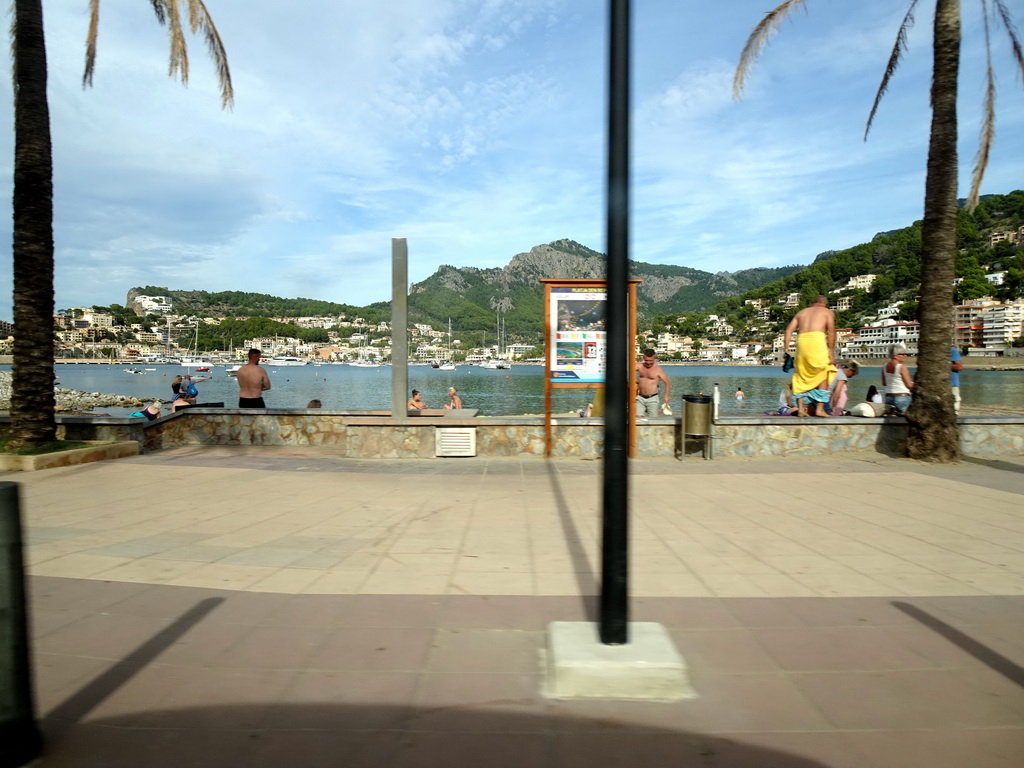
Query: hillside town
{"points": [[983, 327], [91, 332]]}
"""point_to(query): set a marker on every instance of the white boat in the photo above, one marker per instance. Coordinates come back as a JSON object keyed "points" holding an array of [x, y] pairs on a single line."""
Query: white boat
{"points": [[232, 370], [364, 364], [494, 365], [447, 365], [192, 362], [285, 362]]}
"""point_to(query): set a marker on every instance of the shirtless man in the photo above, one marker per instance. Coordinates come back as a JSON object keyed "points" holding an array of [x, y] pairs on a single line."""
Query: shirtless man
{"points": [[253, 381], [814, 347], [647, 386]]}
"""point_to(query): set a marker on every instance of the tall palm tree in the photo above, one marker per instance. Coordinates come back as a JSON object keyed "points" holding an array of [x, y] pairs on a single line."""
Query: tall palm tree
{"points": [[32, 401], [932, 433]]}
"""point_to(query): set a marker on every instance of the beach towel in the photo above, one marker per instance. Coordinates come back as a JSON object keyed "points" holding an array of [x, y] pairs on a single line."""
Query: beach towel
{"points": [[812, 363]]}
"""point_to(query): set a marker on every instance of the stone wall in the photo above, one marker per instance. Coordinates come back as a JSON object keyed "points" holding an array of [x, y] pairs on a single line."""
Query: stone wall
{"points": [[376, 435], [107, 429]]}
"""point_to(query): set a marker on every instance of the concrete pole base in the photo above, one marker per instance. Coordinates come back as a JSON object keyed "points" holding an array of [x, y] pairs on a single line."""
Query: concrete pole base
{"points": [[579, 666]]}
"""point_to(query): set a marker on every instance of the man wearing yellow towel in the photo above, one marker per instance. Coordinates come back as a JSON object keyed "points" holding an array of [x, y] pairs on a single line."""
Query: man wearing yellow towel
{"points": [[815, 327]]}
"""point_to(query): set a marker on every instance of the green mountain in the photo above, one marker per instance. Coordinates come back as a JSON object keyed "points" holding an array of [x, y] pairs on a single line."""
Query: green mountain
{"points": [[472, 297], [895, 257], [243, 304]]}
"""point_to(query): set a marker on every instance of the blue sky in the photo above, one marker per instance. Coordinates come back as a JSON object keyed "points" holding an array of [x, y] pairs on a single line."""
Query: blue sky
{"points": [[475, 129]]}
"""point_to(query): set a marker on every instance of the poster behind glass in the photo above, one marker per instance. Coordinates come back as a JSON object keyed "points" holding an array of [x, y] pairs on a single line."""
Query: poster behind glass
{"points": [[578, 332]]}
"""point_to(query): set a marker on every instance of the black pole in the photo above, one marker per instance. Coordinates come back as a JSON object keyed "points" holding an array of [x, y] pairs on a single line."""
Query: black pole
{"points": [[614, 615], [19, 737]]}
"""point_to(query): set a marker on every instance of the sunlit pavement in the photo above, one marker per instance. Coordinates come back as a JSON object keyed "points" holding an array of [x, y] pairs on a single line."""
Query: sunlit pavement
{"points": [[280, 606]]}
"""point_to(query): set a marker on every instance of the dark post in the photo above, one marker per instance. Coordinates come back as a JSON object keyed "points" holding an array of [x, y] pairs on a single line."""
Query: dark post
{"points": [[614, 614], [19, 737], [399, 327]]}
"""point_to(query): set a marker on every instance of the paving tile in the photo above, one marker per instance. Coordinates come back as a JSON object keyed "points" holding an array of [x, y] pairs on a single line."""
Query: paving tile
{"points": [[490, 612], [491, 583], [337, 583], [76, 565], [101, 635], [836, 648], [304, 610], [214, 699], [978, 748], [149, 571], [199, 553], [392, 611], [102, 746], [337, 700], [464, 750], [288, 581], [497, 651], [373, 648], [222, 576], [405, 583], [723, 650], [482, 702], [274, 647], [905, 699]]}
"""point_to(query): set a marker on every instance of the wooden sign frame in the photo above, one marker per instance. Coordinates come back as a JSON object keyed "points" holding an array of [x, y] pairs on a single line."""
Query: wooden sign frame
{"points": [[589, 381]]}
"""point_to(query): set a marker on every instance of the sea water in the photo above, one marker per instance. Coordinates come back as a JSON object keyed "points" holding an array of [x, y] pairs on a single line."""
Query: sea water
{"points": [[515, 391]]}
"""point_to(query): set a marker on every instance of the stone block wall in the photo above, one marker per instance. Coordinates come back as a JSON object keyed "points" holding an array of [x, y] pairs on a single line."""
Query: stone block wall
{"points": [[376, 435]]}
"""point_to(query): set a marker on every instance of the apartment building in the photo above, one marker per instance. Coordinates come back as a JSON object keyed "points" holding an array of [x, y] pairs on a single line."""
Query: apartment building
{"points": [[861, 282], [1001, 325], [873, 341]]}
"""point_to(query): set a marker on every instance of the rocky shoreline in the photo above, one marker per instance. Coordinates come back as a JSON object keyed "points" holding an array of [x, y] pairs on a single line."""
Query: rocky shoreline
{"points": [[74, 400]]}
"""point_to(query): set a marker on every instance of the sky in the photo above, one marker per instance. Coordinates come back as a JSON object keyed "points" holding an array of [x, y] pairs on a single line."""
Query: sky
{"points": [[475, 129]]}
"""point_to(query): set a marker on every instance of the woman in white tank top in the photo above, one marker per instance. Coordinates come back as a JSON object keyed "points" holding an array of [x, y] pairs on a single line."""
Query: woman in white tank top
{"points": [[896, 381]]}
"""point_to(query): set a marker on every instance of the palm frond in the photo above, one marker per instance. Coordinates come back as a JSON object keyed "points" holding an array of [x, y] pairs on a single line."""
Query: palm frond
{"points": [[757, 41], [1004, 16], [200, 21], [988, 120], [90, 43], [894, 62], [159, 10], [178, 64]]}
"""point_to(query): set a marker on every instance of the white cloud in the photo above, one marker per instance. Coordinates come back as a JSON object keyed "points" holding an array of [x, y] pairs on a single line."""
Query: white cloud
{"points": [[475, 128]]}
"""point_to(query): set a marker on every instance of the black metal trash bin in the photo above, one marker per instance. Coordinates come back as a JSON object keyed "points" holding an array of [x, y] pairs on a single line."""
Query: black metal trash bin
{"points": [[697, 415]]}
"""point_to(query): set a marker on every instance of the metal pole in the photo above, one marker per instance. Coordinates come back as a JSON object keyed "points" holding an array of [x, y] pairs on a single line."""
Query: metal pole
{"points": [[614, 609], [20, 741], [399, 326]]}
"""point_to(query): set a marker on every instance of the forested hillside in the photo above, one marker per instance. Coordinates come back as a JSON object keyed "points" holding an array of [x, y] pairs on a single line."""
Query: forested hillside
{"points": [[895, 257]]}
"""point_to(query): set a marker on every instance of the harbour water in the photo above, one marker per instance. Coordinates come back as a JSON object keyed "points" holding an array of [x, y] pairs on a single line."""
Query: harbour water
{"points": [[516, 391]]}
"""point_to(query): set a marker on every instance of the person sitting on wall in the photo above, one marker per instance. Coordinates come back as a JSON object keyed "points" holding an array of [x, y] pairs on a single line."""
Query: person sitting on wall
{"points": [[415, 402]]}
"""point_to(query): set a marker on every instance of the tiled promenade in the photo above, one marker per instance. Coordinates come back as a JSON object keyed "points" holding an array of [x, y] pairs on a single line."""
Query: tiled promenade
{"points": [[279, 607]]}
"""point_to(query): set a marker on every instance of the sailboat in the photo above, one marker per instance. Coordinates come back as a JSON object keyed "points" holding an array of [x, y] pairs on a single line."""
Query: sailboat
{"points": [[448, 365], [192, 359]]}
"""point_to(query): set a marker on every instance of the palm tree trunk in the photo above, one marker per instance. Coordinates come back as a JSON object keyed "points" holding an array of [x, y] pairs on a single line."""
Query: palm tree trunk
{"points": [[32, 399], [933, 433]]}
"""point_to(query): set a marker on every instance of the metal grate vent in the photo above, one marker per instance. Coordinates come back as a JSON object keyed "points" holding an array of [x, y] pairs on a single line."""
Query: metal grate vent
{"points": [[455, 441]]}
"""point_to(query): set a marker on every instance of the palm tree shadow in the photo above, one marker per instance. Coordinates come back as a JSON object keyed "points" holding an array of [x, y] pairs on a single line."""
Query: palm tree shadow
{"points": [[1006, 466]]}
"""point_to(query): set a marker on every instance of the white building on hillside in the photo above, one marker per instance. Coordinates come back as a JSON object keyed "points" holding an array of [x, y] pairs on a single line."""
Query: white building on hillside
{"points": [[873, 341], [153, 304], [861, 282], [1001, 325]]}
